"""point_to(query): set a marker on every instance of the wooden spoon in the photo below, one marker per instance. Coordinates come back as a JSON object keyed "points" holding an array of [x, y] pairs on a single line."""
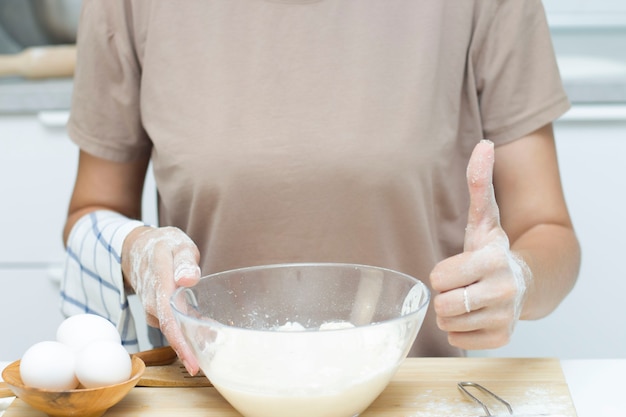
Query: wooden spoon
{"points": [[40, 62]]}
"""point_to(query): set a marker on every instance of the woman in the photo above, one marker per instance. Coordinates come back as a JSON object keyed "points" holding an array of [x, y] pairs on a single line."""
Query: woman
{"points": [[321, 131]]}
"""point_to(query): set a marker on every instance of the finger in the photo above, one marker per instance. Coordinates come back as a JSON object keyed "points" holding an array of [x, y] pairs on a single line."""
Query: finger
{"points": [[458, 303], [479, 339], [184, 256], [152, 320], [172, 332], [174, 336], [457, 271], [484, 319], [483, 213], [455, 303], [462, 301], [493, 292], [465, 269], [463, 323], [185, 264]]}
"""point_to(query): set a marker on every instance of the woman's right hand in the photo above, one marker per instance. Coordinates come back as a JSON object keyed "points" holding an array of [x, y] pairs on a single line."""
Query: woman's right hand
{"points": [[156, 261]]}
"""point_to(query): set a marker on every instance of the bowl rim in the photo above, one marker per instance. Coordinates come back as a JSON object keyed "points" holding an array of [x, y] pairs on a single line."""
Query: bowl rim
{"points": [[416, 282], [19, 384]]}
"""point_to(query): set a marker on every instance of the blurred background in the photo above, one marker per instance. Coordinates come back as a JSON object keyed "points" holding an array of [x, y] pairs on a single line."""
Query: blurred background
{"points": [[38, 164]]}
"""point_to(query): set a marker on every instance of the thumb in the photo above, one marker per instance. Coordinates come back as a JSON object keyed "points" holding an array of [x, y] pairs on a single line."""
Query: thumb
{"points": [[484, 215], [186, 269]]}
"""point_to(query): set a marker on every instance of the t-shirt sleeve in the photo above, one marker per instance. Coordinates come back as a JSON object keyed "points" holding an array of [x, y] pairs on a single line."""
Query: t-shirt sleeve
{"points": [[517, 76], [105, 116]]}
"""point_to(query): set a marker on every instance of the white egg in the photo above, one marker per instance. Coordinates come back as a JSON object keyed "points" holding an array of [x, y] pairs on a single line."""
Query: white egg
{"points": [[49, 365], [79, 330], [101, 363]]}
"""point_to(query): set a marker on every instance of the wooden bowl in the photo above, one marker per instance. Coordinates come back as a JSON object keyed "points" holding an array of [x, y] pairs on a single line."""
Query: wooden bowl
{"points": [[92, 402]]}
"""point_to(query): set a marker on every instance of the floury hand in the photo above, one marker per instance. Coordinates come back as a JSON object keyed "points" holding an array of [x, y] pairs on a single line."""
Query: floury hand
{"points": [[155, 262]]}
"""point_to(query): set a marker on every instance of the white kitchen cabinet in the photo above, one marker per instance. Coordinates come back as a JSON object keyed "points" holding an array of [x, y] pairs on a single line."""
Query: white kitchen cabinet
{"points": [[37, 168], [38, 165], [591, 322], [29, 308]]}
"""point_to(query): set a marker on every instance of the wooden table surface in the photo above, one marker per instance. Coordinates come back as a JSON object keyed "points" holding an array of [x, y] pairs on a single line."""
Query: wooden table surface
{"points": [[422, 387]]}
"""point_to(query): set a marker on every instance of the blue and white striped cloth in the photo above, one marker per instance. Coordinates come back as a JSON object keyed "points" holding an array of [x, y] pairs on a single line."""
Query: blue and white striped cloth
{"points": [[93, 281]]}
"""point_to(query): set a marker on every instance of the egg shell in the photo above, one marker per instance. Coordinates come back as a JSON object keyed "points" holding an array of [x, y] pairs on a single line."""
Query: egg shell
{"points": [[102, 363], [79, 330], [49, 365]]}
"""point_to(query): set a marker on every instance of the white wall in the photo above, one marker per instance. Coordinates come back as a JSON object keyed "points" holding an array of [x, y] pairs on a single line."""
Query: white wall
{"points": [[585, 6]]}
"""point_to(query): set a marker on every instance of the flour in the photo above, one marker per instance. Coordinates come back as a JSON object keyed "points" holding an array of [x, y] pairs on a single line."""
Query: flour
{"points": [[291, 326], [414, 299], [522, 276], [294, 326], [173, 241], [540, 401]]}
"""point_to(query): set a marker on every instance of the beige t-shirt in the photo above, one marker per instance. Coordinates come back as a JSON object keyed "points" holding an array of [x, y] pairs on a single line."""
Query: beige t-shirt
{"points": [[305, 131]]}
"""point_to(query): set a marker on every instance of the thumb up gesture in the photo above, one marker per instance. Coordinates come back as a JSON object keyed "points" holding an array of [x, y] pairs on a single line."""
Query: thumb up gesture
{"points": [[480, 291]]}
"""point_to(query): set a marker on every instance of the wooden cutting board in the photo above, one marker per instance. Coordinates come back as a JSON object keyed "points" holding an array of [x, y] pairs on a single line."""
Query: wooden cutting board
{"points": [[422, 387]]}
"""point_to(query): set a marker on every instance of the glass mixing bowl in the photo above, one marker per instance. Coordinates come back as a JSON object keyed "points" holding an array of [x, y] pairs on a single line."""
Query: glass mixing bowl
{"points": [[301, 339]]}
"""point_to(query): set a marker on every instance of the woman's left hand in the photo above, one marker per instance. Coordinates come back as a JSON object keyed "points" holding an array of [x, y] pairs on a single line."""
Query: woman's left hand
{"points": [[482, 290]]}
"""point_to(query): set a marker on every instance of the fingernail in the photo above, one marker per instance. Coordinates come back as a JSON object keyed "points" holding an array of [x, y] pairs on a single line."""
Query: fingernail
{"points": [[185, 270], [188, 368]]}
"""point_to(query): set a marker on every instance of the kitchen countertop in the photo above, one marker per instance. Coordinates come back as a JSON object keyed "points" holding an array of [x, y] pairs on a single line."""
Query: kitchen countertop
{"points": [[595, 385], [32, 96]]}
